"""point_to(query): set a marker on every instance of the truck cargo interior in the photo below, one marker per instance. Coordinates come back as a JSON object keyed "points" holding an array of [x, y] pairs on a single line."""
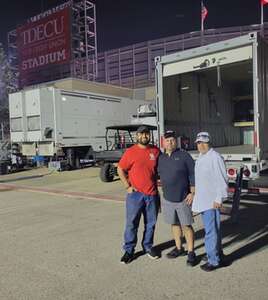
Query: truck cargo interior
{"points": [[218, 100]]}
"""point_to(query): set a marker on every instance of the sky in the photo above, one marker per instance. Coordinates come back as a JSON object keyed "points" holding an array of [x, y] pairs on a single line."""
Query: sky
{"points": [[125, 22]]}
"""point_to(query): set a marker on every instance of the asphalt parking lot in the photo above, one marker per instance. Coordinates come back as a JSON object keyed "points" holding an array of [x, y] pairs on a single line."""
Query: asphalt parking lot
{"points": [[61, 237]]}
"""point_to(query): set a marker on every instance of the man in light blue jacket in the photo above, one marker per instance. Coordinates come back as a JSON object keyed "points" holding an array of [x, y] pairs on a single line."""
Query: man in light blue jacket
{"points": [[211, 188]]}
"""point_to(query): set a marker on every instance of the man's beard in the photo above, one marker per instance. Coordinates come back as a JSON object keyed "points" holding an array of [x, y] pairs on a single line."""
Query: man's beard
{"points": [[144, 142]]}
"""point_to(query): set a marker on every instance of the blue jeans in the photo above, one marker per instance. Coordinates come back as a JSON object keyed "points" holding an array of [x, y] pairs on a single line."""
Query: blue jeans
{"points": [[211, 220], [138, 204]]}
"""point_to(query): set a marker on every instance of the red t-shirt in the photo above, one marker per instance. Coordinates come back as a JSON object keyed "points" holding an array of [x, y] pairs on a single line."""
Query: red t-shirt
{"points": [[140, 164]]}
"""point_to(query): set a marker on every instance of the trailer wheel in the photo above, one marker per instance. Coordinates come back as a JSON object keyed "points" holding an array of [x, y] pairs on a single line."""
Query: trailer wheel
{"points": [[77, 162], [70, 159], [3, 168], [107, 172]]}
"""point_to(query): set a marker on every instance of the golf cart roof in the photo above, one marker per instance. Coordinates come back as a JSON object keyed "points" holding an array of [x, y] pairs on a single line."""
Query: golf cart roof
{"points": [[130, 127]]}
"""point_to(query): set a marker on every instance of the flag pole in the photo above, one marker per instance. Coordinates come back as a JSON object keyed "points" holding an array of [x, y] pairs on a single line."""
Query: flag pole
{"points": [[202, 23], [202, 20], [261, 18]]}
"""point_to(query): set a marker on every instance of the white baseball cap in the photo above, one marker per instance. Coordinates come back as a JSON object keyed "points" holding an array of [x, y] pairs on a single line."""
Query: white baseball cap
{"points": [[202, 137]]}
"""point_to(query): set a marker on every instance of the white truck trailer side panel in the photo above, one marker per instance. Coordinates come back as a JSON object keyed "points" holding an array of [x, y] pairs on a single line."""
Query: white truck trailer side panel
{"points": [[17, 121], [82, 117], [32, 115], [209, 61], [261, 94], [32, 102], [47, 113]]}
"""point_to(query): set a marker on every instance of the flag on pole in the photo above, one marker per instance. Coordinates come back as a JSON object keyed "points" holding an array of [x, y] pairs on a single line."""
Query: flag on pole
{"points": [[204, 13], [263, 2]]}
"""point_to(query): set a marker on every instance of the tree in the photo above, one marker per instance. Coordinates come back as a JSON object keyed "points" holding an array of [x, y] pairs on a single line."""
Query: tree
{"points": [[7, 77]]}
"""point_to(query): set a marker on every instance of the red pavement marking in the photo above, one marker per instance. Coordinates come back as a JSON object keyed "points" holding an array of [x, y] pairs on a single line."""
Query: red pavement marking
{"points": [[85, 195], [263, 190]]}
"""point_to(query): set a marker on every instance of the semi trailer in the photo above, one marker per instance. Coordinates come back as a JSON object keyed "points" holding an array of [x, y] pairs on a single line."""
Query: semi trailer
{"points": [[52, 122], [220, 88]]}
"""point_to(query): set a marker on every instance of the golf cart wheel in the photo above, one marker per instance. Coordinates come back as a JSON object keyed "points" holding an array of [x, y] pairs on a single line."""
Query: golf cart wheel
{"points": [[106, 172]]}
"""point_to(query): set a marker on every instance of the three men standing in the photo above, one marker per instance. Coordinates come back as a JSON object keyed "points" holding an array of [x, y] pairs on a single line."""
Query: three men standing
{"points": [[202, 185]]}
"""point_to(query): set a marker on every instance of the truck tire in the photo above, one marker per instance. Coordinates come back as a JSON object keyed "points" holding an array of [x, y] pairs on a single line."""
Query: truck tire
{"points": [[3, 168], [106, 172]]}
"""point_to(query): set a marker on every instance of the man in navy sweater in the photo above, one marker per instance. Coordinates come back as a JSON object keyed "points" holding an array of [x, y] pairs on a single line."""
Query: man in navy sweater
{"points": [[176, 170]]}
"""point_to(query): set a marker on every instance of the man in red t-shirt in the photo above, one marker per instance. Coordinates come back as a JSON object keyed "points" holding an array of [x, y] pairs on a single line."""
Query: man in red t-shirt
{"points": [[137, 170]]}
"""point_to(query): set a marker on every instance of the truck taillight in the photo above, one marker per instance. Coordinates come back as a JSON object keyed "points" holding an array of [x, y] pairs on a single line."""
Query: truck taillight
{"points": [[255, 137], [231, 172], [246, 173]]}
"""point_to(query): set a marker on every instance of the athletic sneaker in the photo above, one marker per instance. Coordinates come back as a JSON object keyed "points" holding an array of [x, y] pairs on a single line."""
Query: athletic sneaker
{"points": [[152, 254], [174, 253], [191, 259], [222, 258], [207, 267], [127, 258]]}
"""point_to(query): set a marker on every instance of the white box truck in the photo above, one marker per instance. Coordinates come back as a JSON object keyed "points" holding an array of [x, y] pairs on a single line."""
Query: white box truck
{"points": [[220, 88], [49, 121]]}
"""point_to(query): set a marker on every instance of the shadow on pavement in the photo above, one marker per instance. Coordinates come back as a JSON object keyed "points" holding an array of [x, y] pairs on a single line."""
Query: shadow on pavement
{"points": [[251, 230]]}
